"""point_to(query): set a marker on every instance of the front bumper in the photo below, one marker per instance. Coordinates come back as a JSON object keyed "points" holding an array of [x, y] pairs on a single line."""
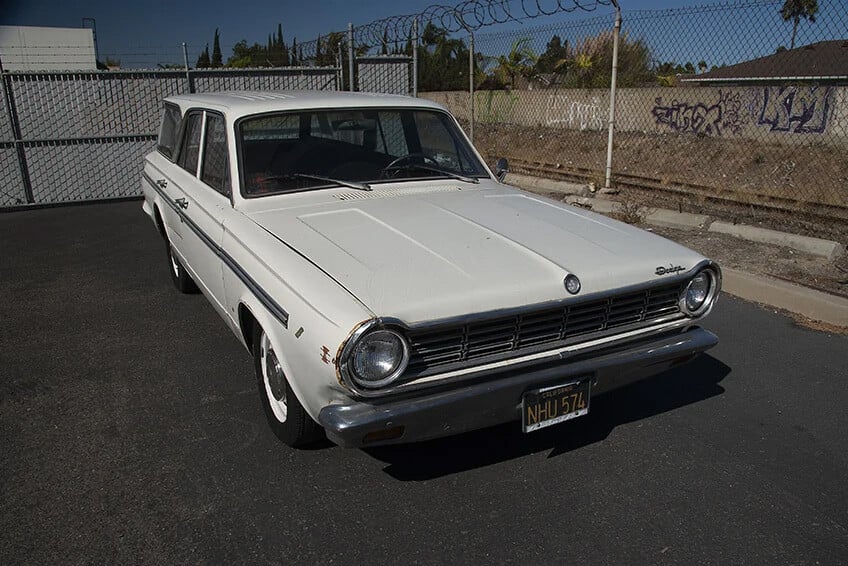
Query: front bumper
{"points": [[495, 397]]}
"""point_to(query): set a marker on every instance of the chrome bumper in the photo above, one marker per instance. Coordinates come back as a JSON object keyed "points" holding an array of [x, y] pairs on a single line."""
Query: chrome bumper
{"points": [[495, 397]]}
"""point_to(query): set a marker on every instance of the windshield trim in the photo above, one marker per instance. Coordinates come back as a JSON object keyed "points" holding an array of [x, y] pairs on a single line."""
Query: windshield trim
{"points": [[487, 174]]}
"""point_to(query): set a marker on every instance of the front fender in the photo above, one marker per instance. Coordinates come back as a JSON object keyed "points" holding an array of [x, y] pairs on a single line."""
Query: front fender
{"points": [[312, 379]]}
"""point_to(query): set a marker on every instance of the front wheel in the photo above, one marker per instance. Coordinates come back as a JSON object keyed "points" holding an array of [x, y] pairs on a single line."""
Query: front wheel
{"points": [[288, 419]]}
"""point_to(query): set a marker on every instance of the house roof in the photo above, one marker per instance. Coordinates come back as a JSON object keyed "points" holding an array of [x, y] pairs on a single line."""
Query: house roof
{"points": [[825, 60]]}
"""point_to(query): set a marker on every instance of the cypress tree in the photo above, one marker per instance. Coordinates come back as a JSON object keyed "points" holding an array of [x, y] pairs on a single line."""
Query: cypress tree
{"points": [[281, 52], [294, 59], [217, 58], [203, 58], [284, 53], [319, 56]]}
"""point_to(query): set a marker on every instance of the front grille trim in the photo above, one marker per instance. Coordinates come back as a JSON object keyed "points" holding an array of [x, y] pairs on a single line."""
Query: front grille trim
{"points": [[439, 348]]}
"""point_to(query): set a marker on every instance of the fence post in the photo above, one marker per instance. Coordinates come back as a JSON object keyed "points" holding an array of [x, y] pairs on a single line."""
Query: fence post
{"points": [[350, 56], [189, 78], [340, 65], [471, 80], [616, 33], [415, 57], [16, 133]]}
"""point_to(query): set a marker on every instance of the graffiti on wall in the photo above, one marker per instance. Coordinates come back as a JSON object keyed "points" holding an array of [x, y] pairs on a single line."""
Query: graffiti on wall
{"points": [[728, 114], [569, 113], [800, 110], [792, 109]]}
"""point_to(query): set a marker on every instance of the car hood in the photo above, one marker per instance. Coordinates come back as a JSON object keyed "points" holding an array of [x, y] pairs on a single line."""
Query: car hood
{"points": [[453, 250]]}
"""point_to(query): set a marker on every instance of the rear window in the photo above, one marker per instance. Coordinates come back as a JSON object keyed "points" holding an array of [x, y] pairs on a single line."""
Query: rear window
{"points": [[168, 130]]}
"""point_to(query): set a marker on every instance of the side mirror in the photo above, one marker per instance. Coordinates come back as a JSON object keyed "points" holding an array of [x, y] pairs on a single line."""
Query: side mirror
{"points": [[501, 168]]}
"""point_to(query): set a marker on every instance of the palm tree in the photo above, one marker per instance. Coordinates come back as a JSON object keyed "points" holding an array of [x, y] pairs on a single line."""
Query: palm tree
{"points": [[794, 10], [519, 61]]}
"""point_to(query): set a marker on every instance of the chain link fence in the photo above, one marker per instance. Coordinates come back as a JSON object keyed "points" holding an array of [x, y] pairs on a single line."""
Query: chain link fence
{"points": [[729, 109], [716, 110], [68, 137]]}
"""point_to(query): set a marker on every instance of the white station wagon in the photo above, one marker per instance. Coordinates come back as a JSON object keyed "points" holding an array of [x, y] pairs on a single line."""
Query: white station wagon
{"points": [[389, 286]]}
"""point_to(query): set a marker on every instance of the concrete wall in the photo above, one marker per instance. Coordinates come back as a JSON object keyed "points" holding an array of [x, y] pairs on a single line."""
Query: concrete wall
{"points": [[46, 49], [781, 114]]}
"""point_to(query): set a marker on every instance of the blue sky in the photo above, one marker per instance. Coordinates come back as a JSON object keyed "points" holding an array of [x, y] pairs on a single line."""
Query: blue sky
{"points": [[153, 31]]}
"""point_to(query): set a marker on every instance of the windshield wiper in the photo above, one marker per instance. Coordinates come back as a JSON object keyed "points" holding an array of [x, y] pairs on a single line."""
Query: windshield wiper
{"points": [[351, 184], [424, 167]]}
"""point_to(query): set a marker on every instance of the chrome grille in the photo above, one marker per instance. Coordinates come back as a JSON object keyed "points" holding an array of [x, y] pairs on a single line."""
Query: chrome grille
{"points": [[539, 329]]}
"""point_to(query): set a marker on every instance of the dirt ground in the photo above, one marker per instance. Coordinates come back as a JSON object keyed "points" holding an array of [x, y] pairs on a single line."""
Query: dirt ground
{"points": [[802, 177]]}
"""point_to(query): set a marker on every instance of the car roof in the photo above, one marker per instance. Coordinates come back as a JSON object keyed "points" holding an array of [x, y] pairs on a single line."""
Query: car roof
{"points": [[242, 103]]}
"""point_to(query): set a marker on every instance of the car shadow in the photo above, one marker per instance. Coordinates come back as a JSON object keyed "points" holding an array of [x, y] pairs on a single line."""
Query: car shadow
{"points": [[685, 385]]}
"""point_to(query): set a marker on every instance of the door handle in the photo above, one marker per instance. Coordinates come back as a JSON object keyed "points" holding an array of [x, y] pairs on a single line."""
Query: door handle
{"points": [[162, 183], [181, 202]]}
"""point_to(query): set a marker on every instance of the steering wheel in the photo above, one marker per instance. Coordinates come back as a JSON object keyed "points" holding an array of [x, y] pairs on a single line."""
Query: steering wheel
{"points": [[396, 163]]}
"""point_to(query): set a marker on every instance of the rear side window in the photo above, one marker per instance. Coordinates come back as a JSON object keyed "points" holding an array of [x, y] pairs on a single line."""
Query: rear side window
{"points": [[216, 170], [190, 150], [168, 130]]}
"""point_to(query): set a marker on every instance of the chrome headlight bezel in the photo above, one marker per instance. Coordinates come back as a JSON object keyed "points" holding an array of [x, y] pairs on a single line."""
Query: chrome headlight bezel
{"points": [[367, 331], [714, 281]]}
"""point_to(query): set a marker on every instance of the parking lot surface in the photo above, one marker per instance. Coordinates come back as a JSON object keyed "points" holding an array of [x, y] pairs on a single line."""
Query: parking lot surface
{"points": [[131, 431]]}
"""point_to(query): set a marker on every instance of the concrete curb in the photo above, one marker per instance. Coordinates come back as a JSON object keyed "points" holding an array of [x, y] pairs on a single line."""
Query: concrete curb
{"points": [[810, 303], [823, 248], [671, 219], [536, 184]]}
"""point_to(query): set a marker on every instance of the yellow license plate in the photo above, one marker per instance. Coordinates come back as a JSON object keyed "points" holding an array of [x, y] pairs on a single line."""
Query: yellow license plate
{"points": [[551, 405]]}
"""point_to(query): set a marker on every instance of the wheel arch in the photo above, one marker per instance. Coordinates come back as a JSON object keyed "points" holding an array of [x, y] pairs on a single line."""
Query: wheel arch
{"points": [[246, 322], [157, 219], [251, 313]]}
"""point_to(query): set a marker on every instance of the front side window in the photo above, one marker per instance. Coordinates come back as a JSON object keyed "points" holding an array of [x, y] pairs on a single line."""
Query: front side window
{"points": [[190, 150], [168, 130], [216, 169], [284, 152]]}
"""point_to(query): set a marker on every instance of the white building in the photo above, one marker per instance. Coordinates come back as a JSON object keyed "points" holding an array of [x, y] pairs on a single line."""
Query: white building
{"points": [[25, 48]]}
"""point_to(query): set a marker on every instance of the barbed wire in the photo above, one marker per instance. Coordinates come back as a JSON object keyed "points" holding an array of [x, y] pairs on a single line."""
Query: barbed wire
{"points": [[469, 15], [633, 15]]}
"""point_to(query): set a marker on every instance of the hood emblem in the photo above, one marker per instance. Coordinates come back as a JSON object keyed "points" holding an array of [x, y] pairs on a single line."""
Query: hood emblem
{"points": [[670, 270]]}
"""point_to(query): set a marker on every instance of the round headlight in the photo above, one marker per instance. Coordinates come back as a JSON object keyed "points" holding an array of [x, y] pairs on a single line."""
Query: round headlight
{"points": [[572, 284], [697, 292], [378, 358]]}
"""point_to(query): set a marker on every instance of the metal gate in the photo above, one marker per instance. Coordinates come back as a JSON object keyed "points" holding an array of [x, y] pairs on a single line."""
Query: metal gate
{"points": [[67, 137]]}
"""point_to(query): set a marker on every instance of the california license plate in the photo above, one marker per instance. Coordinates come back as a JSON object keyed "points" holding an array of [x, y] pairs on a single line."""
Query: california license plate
{"points": [[551, 405]]}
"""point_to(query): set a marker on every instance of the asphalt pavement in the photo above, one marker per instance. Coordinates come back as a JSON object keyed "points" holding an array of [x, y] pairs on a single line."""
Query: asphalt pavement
{"points": [[131, 432]]}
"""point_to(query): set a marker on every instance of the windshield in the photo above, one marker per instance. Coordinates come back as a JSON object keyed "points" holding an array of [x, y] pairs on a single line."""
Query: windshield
{"points": [[296, 151]]}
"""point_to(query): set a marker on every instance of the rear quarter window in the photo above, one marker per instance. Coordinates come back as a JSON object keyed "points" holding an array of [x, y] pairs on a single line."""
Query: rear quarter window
{"points": [[168, 130]]}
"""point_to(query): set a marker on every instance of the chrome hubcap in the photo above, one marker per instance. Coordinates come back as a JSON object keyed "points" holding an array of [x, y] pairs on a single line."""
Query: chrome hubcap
{"points": [[274, 378]]}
